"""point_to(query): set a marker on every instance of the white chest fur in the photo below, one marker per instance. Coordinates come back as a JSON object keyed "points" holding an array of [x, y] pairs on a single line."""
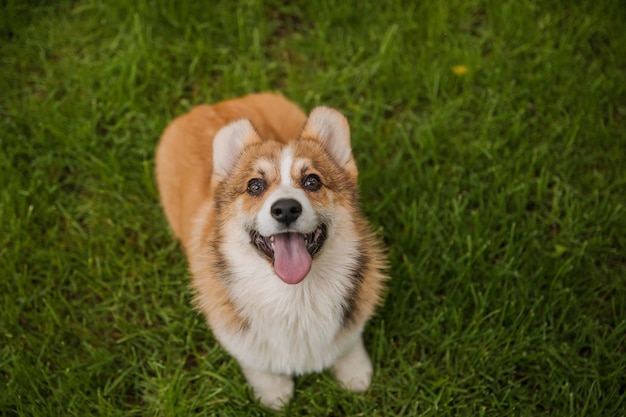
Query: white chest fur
{"points": [[293, 329]]}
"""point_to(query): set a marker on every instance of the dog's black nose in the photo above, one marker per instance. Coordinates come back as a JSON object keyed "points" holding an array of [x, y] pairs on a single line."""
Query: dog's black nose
{"points": [[286, 210]]}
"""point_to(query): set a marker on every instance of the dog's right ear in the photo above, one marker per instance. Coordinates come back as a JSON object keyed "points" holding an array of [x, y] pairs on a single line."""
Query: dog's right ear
{"points": [[331, 129], [229, 143]]}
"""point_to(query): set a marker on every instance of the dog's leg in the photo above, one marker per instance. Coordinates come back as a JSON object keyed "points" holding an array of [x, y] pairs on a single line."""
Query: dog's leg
{"points": [[354, 369], [273, 390]]}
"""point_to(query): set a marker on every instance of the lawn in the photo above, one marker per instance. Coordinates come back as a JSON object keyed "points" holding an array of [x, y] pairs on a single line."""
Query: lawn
{"points": [[491, 141]]}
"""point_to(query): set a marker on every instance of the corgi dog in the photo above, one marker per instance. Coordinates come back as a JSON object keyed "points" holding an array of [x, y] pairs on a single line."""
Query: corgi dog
{"points": [[284, 265]]}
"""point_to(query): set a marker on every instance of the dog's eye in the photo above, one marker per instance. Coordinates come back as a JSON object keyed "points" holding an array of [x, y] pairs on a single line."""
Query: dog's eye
{"points": [[256, 186], [312, 182]]}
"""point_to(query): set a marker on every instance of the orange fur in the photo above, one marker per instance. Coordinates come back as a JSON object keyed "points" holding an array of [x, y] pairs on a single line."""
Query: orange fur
{"points": [[184, 158]]}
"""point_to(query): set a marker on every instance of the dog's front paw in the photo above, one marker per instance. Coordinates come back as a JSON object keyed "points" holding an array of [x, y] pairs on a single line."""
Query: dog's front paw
{"points": [[274, 391], [354, 369]]}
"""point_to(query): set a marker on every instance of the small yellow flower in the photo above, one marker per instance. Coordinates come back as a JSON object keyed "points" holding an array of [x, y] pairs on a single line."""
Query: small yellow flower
{"points": [[460, 70]]}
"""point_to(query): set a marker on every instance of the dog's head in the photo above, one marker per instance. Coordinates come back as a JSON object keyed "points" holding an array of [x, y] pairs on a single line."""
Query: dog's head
{"points": [[286, 200]]}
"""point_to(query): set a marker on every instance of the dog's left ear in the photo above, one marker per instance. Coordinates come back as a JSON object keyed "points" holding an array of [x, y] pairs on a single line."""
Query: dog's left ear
{"points": [[229, 143], [331, 128]]}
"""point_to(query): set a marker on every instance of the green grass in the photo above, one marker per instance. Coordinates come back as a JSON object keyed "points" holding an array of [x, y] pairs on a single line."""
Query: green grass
{"points": [[500, 193]]}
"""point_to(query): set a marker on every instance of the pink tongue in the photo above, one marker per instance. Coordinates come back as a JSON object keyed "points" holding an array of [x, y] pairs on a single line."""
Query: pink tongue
{"points": [[291, 260]]}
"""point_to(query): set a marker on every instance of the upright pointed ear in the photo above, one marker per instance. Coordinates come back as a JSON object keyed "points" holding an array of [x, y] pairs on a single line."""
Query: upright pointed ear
{"points": [[332, 129], [229, 143]]}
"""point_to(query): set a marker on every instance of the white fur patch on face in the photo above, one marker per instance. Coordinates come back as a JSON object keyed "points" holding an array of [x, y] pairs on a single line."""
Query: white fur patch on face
{"points": [[286, 163], [308, 220], [264, 165]]}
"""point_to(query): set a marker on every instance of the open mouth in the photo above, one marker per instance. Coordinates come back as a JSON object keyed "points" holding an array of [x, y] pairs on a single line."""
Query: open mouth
{"points": [[291, 253], [313, 241]]}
